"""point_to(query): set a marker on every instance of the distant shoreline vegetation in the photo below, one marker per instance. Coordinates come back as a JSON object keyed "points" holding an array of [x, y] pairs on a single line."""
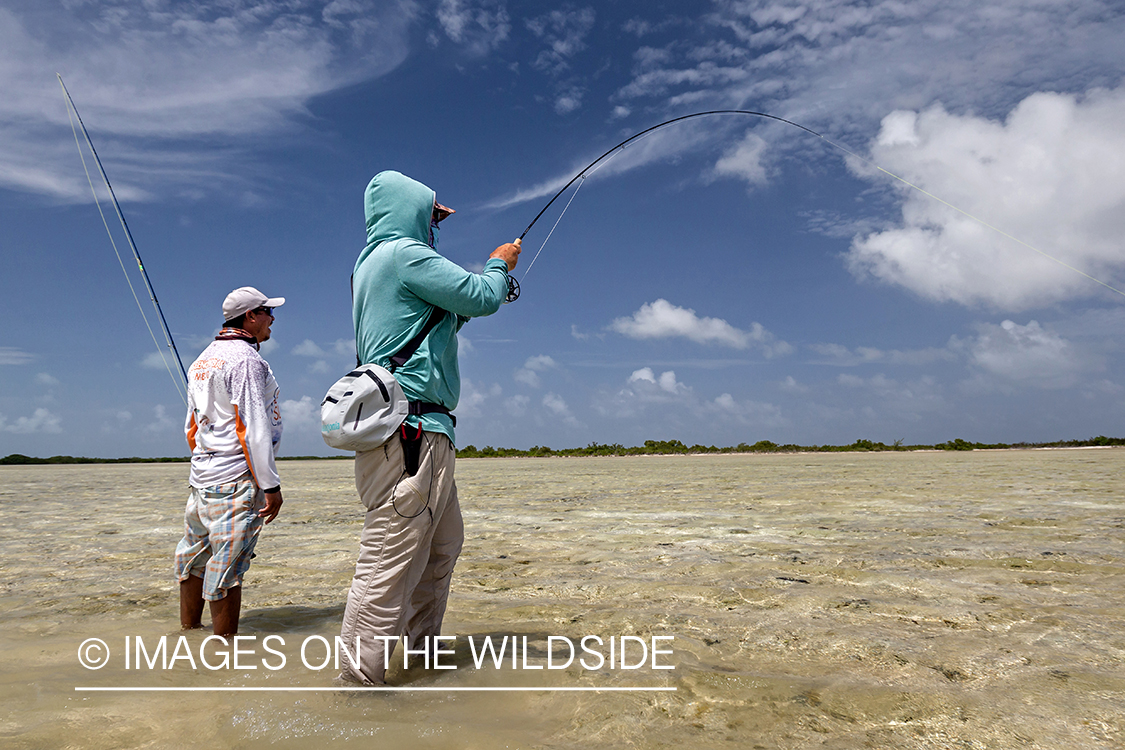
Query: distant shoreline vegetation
{"points": [[650, 448]]}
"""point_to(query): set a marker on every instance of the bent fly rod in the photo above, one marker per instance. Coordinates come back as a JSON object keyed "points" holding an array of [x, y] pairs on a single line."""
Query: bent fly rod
{"points": [[72, 115], [514, 288]]}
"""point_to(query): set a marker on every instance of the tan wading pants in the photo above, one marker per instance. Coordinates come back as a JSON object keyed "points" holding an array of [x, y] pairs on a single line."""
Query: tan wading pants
{"points": [[411, 537]]}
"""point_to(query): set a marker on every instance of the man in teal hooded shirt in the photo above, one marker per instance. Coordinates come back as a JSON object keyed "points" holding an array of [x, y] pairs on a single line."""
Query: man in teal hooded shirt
{"points": [[412, 531]]}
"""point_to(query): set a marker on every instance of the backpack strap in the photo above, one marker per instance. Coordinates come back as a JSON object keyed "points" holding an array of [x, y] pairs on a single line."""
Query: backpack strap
{"points": [[411, 346]]}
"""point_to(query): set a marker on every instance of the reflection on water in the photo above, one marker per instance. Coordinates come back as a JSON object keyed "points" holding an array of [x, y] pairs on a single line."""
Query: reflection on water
{"points": [[924, 600]]}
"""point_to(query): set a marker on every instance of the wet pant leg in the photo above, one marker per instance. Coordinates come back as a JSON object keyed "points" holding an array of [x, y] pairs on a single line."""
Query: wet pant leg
{"points": [[412, 532]]}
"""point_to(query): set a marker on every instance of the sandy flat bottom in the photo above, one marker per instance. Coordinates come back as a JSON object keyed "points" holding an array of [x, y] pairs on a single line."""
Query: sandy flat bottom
{"points": [[922, 600]]}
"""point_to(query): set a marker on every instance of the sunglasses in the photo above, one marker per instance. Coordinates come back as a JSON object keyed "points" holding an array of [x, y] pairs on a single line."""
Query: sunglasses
{"points": [[264, 310]]}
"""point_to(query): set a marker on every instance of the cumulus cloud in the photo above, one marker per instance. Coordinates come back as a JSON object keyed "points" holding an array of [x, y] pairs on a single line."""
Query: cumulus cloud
{"points": [[341, 349], [175, 89], [558, 407], [300, 415], [516, 406], [1049, 174], [662, 319], [160, 360], [747, 412], [529, 373], [645, 390], [41, 420], [666, 383], [475, 397], [1027, 354], [161, 422], [907, 401], [308, 348], [46, 378]]}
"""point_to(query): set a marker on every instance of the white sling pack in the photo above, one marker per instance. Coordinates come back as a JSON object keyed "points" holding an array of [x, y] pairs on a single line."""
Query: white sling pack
{"points": [[363, 409]]}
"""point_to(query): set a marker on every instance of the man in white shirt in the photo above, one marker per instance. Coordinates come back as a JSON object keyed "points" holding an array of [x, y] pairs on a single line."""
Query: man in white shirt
{"points": [[233, 429]]}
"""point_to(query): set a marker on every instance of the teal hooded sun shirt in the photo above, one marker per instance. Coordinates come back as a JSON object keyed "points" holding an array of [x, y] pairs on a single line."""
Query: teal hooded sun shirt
{"points": [[399, 279]]}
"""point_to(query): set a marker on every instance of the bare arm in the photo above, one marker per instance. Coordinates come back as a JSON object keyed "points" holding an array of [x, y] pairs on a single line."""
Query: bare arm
{"points": [[273, 505]]}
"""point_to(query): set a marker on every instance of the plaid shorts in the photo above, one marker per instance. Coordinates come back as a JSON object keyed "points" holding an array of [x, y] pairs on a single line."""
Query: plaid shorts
{"points": [[221, 526]]}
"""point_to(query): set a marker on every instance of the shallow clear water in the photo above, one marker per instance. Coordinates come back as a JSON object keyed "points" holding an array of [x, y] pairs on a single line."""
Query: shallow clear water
{"points": [[915, 600]]}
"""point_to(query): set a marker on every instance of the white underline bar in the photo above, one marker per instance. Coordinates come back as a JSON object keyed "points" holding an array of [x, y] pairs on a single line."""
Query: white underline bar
{"points": [[387, 689]]}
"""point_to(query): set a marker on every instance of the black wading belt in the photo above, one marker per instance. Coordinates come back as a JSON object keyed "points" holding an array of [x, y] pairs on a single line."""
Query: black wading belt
{"points": [[412, 443]]}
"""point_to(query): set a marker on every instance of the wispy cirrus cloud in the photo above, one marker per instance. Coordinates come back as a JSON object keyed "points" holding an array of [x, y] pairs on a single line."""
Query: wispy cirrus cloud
{"points": [[174, 89], [11, 355]]}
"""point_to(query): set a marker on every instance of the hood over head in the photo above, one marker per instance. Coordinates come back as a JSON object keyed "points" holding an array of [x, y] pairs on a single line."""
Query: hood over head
{"points": [[397, 207]]}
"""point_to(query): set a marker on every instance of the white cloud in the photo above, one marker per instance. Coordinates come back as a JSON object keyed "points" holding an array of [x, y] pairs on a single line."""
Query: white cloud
{"points": [[41, 420], [569, 100], [529, 373], [835, 354], [838, 68], [161, 422], [344, 348], [564, 32], [308, 348], [10, 355], [516, 406], [666, 383], [662, 319], [661, 145], [163, 84], [160, 360], [753, 413], [300, 415], [645, 390], [45, 378], [744, 161], [791, 385], [1027, 354], [480, 27], [1050, 174], [555, 404], [475, 397]]}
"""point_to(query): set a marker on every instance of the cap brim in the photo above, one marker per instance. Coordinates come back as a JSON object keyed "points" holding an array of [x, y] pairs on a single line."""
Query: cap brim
{"points": [[274, 302], [442, 212]]}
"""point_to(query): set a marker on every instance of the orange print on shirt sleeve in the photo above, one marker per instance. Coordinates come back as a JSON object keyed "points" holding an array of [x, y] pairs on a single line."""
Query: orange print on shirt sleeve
{"points": [[191, 434], [240, 429]]}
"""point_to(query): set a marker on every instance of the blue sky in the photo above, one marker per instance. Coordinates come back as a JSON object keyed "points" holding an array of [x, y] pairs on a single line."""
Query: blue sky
{"points": [[725, 280]]}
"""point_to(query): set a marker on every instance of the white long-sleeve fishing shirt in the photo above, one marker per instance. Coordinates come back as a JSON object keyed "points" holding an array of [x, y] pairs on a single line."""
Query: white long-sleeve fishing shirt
{"points": [[234, 418]]}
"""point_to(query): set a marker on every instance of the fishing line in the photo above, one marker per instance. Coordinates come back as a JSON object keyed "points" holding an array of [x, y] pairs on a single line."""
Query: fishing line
{"points": [[620, 146], [572, 197], [132, 245]]}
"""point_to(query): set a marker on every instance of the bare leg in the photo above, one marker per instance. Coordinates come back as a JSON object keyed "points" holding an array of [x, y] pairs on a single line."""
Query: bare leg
{"points": [[225, 611], [191, 603]]}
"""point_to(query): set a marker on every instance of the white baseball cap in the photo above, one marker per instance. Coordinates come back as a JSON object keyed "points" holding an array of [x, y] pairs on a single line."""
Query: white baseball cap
{"points": [[247, 298]]}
